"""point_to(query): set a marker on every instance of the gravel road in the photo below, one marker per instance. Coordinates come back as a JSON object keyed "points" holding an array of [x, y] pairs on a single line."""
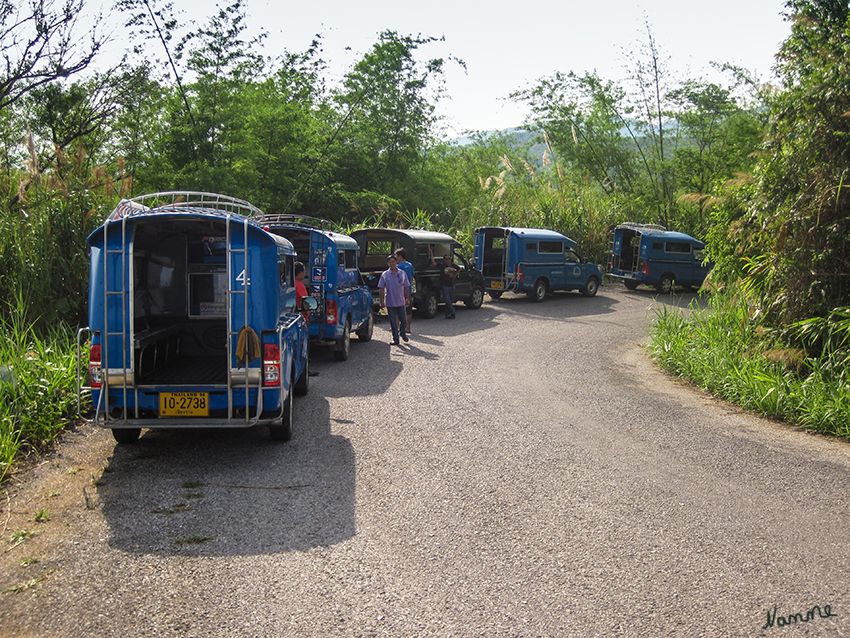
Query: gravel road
{"points": [[523, 470]]}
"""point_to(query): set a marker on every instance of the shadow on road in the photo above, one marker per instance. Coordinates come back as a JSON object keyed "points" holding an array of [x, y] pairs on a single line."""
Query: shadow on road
{"points": [[566, 306], [232, 492]]}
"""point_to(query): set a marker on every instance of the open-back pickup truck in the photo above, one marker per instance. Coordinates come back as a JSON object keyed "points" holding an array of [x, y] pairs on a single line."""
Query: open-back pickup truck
{"points": [[192, 318]]}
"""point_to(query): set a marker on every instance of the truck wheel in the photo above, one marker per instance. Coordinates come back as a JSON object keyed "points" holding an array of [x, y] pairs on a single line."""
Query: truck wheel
{"points": [[344, 345], [302, 385], [665, 284], [283, 432], [590, 287], [430, 305], [476, 298], [538, 294], [365, 331], [126, 436], [631, 284], [495, 294]]}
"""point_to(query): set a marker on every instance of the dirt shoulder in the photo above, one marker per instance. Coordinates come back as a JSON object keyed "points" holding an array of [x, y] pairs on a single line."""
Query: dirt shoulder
{"points": [[44, 500]]}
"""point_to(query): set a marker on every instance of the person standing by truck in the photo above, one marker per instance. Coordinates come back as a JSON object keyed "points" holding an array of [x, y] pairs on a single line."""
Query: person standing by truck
{"points": [[447, 282], [300, 289], [395, 297], [300, 273], [407, 267]]}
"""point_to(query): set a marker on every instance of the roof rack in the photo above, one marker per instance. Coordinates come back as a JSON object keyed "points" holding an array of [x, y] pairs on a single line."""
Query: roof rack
{"points": [[184, 202], [637, 226], [291, 219]]}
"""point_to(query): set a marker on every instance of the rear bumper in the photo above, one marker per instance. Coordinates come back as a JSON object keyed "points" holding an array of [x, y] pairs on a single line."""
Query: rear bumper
{"points": [[143, 408]]}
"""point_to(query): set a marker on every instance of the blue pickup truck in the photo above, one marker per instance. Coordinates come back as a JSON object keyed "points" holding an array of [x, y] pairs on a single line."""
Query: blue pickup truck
{"points": [[654, 256], [192, 318], [535, 261], [333, 279]]}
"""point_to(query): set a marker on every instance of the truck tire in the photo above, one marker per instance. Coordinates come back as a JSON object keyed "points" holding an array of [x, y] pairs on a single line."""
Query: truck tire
{"points": [[631, 284], [495, 294], [476, 298], [429, 308], [538, 293], [364, 333], [591, 287], [343, 346], [665, 284], [283, 432], [302, 385], [126, 436]]}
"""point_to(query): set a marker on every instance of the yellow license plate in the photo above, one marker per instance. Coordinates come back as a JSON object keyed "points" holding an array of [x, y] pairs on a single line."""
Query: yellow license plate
{"points": [[184, 404], [497, 284]]}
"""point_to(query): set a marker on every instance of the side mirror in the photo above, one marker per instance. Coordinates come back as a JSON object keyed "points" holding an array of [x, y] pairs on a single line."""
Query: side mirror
{"points": [[309, 304]]}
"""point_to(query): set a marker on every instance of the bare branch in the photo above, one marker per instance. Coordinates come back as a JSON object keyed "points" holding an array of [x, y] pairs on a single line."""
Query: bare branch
{"points": [[40, 43]]}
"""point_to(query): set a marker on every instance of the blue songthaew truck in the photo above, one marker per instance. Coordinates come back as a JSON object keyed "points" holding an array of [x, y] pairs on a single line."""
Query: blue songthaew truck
{"points": [[654, 256], [192, 318], [333, 279], [535, 261]]}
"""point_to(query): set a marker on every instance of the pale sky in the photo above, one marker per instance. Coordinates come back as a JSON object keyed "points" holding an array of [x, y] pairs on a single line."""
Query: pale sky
{"points": [[509, 45]]}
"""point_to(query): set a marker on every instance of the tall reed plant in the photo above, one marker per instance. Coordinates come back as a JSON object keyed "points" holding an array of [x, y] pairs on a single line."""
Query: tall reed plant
{"points": [[47, 214]]}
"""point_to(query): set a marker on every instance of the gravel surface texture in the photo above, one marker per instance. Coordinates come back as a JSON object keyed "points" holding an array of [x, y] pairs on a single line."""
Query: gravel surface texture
{"points": [[523, 470]]}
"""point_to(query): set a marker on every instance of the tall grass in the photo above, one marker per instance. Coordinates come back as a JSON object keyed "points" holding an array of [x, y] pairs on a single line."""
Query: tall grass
{"points": [[724, 349], [47, 211], [37, 384]]}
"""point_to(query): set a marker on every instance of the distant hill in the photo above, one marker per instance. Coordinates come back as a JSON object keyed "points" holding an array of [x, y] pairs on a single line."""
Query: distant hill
{"points": [[519, 137]]}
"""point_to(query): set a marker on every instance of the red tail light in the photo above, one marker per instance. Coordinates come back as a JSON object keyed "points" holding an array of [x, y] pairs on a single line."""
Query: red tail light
{"points": [[271, 364], [95, 377], [645, 269], [519, 274], [330, 309]]}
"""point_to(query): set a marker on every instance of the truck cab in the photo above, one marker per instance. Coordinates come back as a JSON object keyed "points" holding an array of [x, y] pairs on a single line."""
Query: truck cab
{"points": [[376, 244], [535, 261], [333, 279], [654, 256], [192, 318]]}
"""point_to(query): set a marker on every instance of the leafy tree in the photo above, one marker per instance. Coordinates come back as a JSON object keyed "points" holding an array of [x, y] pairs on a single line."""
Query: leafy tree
{"points": [[137, 129], [652, 81], [584, 119], [388, 99], [789, 230], [718, 139]]}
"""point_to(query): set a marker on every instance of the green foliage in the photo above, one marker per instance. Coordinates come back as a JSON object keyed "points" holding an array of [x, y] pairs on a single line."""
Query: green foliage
{"points": [[788, 231], [43, 250], [726, 349], [38, 387], [663, 148], [389, 99]]}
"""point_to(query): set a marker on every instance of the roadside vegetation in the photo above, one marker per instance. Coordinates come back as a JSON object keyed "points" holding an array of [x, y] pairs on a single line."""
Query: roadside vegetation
{"points": [[727, 350], [757, 169]]}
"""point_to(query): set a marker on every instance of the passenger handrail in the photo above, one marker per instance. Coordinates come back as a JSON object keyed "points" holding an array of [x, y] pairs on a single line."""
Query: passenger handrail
{"points": [[302, 221], [170, 202]]}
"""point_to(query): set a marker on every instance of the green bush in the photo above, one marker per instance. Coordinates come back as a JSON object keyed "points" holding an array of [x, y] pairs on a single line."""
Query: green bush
{"points": [[725, 349], [38, 391]]}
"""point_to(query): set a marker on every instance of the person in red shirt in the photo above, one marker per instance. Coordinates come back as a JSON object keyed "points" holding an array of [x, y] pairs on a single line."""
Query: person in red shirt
{"points": [[300, 293], [301, 289]]}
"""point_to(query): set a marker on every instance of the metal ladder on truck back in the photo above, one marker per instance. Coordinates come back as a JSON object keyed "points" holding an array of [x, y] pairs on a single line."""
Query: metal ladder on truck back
{"points": [[121, 297], [232, 294]]}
